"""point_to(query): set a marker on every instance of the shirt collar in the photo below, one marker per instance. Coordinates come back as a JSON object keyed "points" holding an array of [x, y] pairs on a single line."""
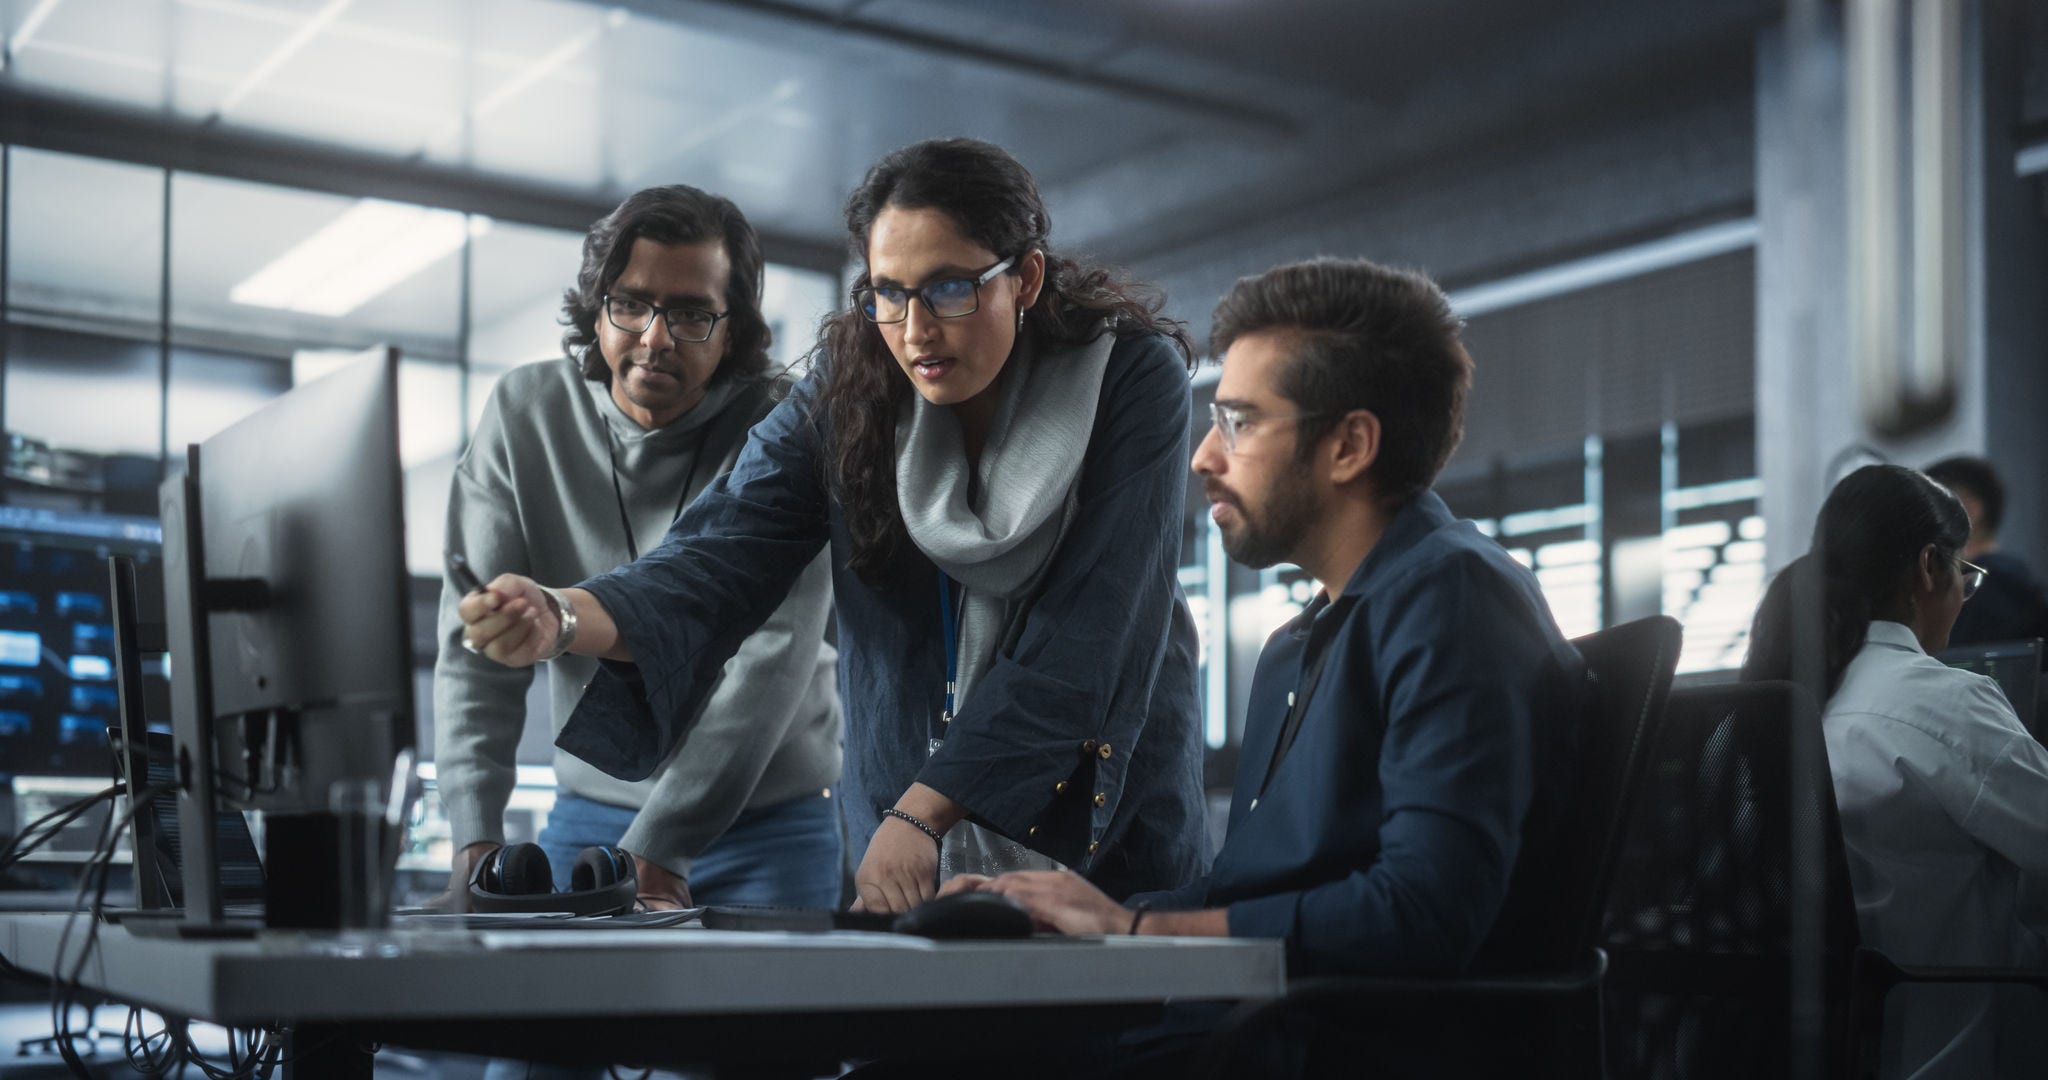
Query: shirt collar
{"points": [[1886, 632], [1417, 518]]}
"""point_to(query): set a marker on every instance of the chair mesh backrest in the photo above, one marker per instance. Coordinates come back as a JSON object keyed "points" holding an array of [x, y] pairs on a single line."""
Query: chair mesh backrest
{"points": [[1628, 670], [1699, 924]]}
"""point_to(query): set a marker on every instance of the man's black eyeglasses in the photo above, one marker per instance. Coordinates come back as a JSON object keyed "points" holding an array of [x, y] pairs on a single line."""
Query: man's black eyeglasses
{"points": [[688, 325]]}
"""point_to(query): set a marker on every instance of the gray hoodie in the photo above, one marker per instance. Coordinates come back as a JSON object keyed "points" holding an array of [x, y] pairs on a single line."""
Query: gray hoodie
{"points": [[534, 495]]}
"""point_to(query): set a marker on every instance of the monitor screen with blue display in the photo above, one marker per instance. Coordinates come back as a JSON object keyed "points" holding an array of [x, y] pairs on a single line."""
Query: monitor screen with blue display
{"points": [[57, 692]]}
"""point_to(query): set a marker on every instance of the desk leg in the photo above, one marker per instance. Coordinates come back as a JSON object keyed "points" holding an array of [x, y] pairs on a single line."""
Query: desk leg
{"points": [[316, 1052]]}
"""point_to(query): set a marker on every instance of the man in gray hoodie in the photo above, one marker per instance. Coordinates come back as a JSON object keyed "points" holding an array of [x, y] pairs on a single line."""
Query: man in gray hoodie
{"points": [[577, 466]]}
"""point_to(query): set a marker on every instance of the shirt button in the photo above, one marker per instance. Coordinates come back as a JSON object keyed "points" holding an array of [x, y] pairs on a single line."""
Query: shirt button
{"points": [[1091, 847], [1032, 831], [1252, 807], [1101, 799], [1104, 752], [1060, 788], [1088, 747], [1290, 699]]}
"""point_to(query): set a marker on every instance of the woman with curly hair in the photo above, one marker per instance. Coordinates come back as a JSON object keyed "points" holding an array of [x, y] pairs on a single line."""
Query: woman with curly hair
{"points": [[993, 442]]}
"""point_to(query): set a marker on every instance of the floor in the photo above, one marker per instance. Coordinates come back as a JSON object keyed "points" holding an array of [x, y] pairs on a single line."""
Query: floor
{"points": [[22, 1022]]}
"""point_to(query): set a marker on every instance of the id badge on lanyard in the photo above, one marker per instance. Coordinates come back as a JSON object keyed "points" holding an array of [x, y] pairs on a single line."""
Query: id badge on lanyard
{"points": [[950, 634]]}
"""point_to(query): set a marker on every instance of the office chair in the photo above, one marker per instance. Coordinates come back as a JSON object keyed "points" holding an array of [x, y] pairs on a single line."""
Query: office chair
{"points": [[1542, 1022], [1703, 925], [1706, 927]]}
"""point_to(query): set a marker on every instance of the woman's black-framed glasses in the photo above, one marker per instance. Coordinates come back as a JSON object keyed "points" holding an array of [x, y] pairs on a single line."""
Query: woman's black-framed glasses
{"points": [[948, 299], [687, 325], [1973, 577]]}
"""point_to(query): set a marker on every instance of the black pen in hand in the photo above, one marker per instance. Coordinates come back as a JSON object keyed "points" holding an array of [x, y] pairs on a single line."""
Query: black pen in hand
{"points": [[458, 568]]}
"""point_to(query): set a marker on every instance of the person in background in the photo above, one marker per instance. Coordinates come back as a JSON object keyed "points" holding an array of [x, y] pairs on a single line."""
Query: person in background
{"points": [[989, 446], [1407, 746], [1943, 796], [578, 465], [2011, 605]]}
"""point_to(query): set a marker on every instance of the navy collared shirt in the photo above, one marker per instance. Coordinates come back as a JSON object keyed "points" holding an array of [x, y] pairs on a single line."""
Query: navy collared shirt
{"points": [[1429, 766], [1081, 739]]}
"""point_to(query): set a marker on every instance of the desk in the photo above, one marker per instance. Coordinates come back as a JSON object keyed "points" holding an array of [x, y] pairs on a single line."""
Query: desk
{"points": [[673, 997]]}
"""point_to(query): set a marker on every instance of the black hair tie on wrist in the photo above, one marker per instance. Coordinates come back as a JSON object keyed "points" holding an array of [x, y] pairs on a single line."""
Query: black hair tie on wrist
{"points": [[890, 811], [1137, 915]]}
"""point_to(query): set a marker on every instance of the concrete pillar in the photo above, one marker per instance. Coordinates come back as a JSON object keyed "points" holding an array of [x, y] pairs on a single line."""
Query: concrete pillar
{"points": [[2015, 327], [1809, 430]]}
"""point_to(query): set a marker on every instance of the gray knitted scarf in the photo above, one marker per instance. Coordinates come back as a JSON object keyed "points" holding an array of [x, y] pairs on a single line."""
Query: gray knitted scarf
{"points": [[994, 530]]}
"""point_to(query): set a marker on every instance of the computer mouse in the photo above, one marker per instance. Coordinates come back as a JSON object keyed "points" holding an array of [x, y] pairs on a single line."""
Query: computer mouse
{"points": [[966, 915]]}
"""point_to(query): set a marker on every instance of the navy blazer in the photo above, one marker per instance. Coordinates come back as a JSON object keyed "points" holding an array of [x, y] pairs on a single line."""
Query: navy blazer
{"points": [[1431, 761], [1082, 739]]}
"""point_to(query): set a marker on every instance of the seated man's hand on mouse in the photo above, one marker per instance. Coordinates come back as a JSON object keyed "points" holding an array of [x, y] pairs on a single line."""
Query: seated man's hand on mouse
{"points": [[1061, 900], [964, 883]]}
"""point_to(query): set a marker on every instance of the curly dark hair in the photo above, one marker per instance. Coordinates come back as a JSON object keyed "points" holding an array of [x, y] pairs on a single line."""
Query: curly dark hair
{"points": [[673, 214], [995, 203]]}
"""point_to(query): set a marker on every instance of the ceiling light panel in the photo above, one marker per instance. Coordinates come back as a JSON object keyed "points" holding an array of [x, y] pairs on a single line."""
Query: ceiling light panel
{"points": [[84, 48], [122, 28], [370, 249], [533, 27]]}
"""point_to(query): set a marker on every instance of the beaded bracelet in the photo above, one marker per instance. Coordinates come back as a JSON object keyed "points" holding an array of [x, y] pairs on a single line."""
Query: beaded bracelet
{"points": [[938, 839]]}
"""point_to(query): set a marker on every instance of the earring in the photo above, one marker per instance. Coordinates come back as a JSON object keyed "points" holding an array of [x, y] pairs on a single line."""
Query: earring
{"points": [[1020, 320]]}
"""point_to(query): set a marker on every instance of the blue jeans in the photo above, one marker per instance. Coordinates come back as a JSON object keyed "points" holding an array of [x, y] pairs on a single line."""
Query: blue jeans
{"points": [[785, 854]]}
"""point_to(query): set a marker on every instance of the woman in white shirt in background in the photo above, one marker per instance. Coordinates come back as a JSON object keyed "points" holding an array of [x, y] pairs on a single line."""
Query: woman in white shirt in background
{"points": [[1943, 796]]}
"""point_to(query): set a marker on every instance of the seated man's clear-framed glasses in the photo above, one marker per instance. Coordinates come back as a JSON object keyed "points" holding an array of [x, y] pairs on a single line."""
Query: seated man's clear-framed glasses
{"points": [[687, 325], [1231, 420], [951, 298]]}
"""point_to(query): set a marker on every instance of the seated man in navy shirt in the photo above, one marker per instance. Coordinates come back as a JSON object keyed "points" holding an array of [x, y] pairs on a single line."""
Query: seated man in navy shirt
{"points": [[1407, 741]]}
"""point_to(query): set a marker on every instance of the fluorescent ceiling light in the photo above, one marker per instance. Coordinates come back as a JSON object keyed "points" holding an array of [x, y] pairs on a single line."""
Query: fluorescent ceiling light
{"points": [[1606, 267], [360, 255]]}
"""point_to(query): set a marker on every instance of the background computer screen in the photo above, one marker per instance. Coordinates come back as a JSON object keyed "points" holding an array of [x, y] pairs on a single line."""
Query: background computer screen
{"points": [[2015, 665], [57, 692]]}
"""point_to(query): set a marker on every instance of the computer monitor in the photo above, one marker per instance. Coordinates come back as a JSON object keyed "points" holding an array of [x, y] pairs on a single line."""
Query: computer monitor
{"points": [[57, 692], [144, 758], [2015, 665], [285, 590]]}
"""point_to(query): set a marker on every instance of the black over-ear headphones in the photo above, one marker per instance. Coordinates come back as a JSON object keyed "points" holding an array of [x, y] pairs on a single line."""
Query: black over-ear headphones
{"points": [[517, 878]]}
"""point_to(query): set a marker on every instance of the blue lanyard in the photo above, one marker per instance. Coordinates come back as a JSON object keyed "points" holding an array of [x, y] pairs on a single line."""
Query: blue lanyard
{"points": [[952, 649]]}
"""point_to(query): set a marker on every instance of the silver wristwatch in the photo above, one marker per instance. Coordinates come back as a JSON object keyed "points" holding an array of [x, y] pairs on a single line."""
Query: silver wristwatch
{"points": [[565, 618]]}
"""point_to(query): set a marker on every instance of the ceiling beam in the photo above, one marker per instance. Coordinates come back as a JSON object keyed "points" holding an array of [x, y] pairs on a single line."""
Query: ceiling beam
{"points": [[908, 38], [47, 122]]}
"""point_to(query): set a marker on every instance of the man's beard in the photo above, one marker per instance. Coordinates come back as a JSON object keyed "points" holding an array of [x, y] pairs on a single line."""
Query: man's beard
{"points": [[1271, 535]]}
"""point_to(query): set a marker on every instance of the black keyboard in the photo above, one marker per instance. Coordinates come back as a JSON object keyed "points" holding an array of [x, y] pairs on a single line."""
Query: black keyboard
{"points": [[800, 919]]}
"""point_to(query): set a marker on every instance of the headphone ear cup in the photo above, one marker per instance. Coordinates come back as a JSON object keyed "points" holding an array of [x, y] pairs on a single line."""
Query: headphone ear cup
{"points": [[522, 870], [598, 868]]}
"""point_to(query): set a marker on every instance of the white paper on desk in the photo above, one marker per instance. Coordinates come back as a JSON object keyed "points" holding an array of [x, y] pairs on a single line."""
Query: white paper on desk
{"points": [[671, 938]]}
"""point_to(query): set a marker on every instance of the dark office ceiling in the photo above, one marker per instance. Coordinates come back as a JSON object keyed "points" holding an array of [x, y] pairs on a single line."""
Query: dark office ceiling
{"points": [[1150, 123], [783, 102], [1391, 52]]}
